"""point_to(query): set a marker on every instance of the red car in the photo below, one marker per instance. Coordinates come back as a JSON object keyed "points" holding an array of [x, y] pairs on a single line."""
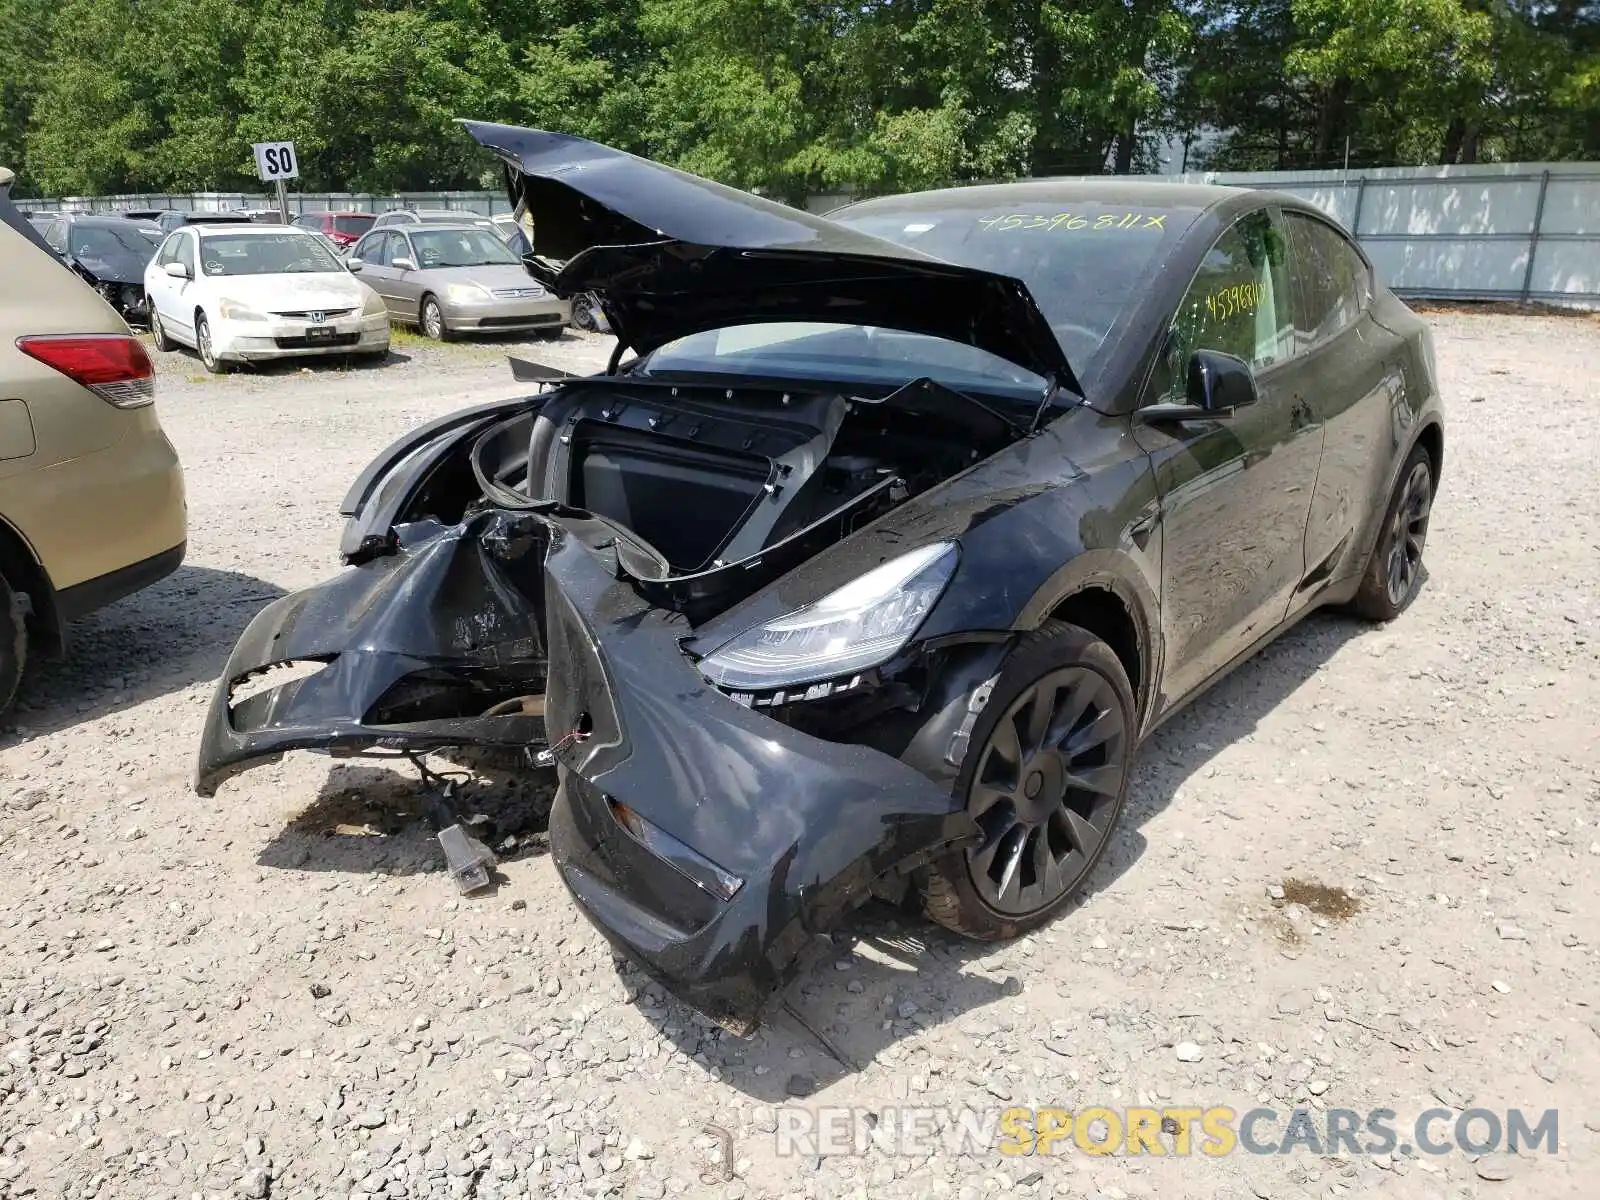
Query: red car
{"points": [[344, 228]]}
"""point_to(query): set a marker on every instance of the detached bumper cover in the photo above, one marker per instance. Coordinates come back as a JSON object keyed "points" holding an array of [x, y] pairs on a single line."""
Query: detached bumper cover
{"points": [[807, 825], [445, 617]]}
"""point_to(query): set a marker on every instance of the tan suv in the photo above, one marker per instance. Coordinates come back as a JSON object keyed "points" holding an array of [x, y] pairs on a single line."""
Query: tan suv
{"points": [[91, 494]]}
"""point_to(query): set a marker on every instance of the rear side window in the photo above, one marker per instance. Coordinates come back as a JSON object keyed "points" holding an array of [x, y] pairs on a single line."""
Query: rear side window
{"points": [[1334, 283]]}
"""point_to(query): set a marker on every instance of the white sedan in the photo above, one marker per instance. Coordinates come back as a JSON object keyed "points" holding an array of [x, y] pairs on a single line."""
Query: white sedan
{"points": [[240, 293]]}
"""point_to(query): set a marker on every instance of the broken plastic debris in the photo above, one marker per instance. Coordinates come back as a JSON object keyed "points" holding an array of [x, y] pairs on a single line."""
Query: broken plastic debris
{"points": [[471, 863]]}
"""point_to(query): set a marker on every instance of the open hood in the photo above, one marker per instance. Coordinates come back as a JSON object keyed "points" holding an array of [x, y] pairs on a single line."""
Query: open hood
{"points": [[672, 254]]}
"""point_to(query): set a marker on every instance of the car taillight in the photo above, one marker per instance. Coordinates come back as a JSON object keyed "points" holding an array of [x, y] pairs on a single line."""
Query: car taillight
{"points": [[114, 366]]}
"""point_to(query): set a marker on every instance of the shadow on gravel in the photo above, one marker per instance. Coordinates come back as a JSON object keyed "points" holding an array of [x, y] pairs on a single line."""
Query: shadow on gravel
{"points": [[331, 364], [889, 974], [375, 819], [905, 974], [186, 363], [176, 632]]}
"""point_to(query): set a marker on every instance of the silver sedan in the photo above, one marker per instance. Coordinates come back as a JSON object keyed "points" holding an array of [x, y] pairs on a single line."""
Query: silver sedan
{"points": [[454, 279]]}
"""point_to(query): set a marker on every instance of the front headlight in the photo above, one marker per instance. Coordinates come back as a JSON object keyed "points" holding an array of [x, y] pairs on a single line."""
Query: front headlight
{"points": [[374, 305], [466, 293], [232, 310], [861, 625]]}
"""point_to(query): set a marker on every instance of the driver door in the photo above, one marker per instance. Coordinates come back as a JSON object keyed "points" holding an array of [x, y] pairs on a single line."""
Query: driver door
{"points": [[373, 251], [408, 282], [1235, 490]]}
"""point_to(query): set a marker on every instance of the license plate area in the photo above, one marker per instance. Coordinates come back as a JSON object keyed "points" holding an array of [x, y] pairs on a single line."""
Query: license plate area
{"points": [[320, 333]]}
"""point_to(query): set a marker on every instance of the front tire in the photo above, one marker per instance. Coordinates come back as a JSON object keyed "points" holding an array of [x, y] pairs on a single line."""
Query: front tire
{"points": [[431, 319], [1394, 572], [1045, 778], [202, 344], [158, 333]]}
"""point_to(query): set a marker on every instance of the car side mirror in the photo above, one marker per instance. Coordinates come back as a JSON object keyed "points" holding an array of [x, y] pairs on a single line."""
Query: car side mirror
{"points": [[353, 265], [177, 270], [1215, 386], [402, 264], [1219, 383]]}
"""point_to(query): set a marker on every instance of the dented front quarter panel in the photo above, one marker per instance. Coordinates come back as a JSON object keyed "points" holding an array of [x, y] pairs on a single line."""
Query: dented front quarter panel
{"points": [[808, 825]]}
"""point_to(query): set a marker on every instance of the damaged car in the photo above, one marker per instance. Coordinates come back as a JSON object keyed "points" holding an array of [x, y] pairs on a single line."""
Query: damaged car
{"points": [[110, 255], [877, 549]]}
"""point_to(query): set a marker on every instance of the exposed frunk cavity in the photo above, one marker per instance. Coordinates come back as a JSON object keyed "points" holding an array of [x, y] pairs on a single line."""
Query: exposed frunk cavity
{"points": [[683, 499], [709, 492]]}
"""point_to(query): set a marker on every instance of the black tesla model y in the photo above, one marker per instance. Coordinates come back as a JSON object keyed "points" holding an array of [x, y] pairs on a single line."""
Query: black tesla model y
{"points": [[881, 543]]}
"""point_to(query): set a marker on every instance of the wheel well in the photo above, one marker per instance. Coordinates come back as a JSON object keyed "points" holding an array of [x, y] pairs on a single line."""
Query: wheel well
{"points": [[1431, 439], [1103, 613], [23, 572]]}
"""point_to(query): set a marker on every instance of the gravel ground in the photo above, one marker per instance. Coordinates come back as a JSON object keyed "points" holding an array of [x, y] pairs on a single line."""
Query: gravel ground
{"points": [[277, 992]]}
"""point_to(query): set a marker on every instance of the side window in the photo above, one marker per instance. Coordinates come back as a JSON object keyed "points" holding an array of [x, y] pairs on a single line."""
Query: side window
{"points": [[400, 247], [308, 221], [186, 254], [56, 234], [1238, 303], [1335, 284], [169, 249], [368, 249]]}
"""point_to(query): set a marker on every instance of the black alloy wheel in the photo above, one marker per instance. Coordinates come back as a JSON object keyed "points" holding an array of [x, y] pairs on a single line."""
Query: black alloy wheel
{"points": [[1048, 782], [1394, 572], [1044, 782], [1406, 535]]}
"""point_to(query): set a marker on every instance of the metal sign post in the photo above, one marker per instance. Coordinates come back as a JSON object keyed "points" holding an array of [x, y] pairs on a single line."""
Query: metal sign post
{"points": [[276, 162]]}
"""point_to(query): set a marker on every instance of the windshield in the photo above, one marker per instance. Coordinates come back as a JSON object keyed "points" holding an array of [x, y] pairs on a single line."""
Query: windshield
{"points": [[1084, 264], [97, 241], [265, 254], [459, 248], [353, 224]]}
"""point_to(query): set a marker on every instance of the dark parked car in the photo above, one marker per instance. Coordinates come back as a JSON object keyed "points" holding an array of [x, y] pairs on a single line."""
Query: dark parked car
{"points": [[171, 218], [870, 570], [110, 253]]}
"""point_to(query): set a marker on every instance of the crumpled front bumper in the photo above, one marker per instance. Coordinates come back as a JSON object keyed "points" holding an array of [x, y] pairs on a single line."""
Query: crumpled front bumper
{"points": [[807, 825], [444, 618]]}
